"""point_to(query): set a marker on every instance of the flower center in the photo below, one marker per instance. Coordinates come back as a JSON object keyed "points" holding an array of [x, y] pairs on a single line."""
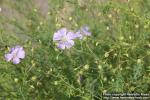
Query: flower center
{"points": [[15, 54], [64, 38]]}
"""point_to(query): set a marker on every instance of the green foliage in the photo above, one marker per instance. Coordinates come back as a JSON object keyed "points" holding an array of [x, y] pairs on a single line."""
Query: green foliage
{"points": [[116, 58]]}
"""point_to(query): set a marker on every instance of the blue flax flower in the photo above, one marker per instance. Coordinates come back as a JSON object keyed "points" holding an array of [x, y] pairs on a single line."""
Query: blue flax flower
{"points": [[83, 32], [64, 38], [15, 54]]}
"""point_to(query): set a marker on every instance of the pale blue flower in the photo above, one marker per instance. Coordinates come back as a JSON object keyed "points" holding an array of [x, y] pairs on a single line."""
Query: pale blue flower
{"points": [[15, 54], [83, 32], [64, 38]]}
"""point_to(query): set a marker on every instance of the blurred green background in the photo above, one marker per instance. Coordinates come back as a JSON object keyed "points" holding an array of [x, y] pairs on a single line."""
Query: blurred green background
{"points": [[115, 59]]}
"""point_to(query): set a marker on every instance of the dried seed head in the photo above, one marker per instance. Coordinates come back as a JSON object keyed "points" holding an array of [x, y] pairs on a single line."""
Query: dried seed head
{"points": [[39, 83], [107, 28], [105, 78], [33, 78], [145, 26], [112, 80], [121, 38], [130, 37], [35, 10], [16, 80], [70, 18], [99, 67], [136, 26], [104, 91], [31, 86], [86, 67], [106, 54], [139, 61], [97, 43], [55, 83], [110, 15]]}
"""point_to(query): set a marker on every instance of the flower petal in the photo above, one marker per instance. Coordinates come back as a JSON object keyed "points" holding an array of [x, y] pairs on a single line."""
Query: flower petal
{"points": [[69, 44], [8, 57], [71, 35], [61, 45], [85, 28], [59, 34], [85, 31], [79, 35], [63, 31], [21, 53], [16, 60], [12, 49]]}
